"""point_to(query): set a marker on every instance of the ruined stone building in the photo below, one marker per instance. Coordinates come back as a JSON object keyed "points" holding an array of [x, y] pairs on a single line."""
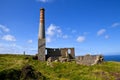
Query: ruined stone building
{"points": [[60, 53], [89, 59], [54, 53]]}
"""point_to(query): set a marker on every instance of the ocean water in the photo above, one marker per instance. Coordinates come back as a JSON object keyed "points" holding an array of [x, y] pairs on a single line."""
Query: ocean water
{"points": [[112, 58]]}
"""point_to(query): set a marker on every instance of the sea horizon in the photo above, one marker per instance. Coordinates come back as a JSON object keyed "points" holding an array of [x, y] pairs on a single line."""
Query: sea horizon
{"points": [[112, 58]]}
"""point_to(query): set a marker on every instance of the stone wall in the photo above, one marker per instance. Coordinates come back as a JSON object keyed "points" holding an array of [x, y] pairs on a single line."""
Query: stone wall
{"points": [[41, 49], [52, 52], [89, 59], [55, 53]]}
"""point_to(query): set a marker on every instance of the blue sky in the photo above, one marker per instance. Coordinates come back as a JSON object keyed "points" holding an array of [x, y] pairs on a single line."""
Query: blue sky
{"points": [[90, 26]]}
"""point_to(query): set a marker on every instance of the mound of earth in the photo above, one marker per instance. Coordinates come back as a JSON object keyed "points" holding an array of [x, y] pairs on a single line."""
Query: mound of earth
{"points": [[26, 73]]}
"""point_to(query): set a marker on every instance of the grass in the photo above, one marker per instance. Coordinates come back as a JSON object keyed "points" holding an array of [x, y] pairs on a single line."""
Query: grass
{"points": [[63, 71]]}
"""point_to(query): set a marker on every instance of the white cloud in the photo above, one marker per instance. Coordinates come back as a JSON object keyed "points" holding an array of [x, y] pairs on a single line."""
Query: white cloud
{"points": [[44, 1], [9, 38], [10, 48], [30, 41], [13, 48], [48, 39], [65, 36], [106, 36], [115, 24], [51, 30], [3, 28], [81, 39], [101, 32], [59, 30]]}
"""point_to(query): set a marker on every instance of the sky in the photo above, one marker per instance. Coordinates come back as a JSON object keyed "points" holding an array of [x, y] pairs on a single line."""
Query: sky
{"points": [[89, 26]]}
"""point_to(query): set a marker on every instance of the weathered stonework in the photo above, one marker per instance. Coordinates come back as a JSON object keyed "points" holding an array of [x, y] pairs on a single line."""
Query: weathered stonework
{"points": [[41, 37], [60, 53], [89, 59], [41, 49]]}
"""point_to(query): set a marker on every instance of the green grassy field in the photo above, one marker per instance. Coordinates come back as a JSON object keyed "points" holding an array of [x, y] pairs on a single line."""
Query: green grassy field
{"points": [[62, 71]]}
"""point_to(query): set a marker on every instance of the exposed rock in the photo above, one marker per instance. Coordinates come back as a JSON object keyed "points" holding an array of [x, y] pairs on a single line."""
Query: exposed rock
{"points": [[61, 59], [56, 60], [49, 61]]}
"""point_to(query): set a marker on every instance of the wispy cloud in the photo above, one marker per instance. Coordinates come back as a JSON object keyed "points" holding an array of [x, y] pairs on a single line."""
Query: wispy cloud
{"points": [[43, 1], [10, 48], [14, 48], [65, 36], [30, 41], [53, 31], [115, 24], [101, 32], [81, 39], [8, 38], [48, 39], [9, 42], [4, 28], [107, 36]]}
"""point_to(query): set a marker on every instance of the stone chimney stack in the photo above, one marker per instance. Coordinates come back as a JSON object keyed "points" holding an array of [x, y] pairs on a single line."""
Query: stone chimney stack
{"points": [[41, 37], [42, 25]]}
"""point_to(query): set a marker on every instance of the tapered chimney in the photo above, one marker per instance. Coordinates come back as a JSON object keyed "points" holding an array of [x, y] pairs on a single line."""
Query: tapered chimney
{"points": [[41, 37], [42, 25]]}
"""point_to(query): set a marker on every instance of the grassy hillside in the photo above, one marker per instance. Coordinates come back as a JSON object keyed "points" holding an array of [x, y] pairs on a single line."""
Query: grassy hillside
{"points": [[61, 71]]}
